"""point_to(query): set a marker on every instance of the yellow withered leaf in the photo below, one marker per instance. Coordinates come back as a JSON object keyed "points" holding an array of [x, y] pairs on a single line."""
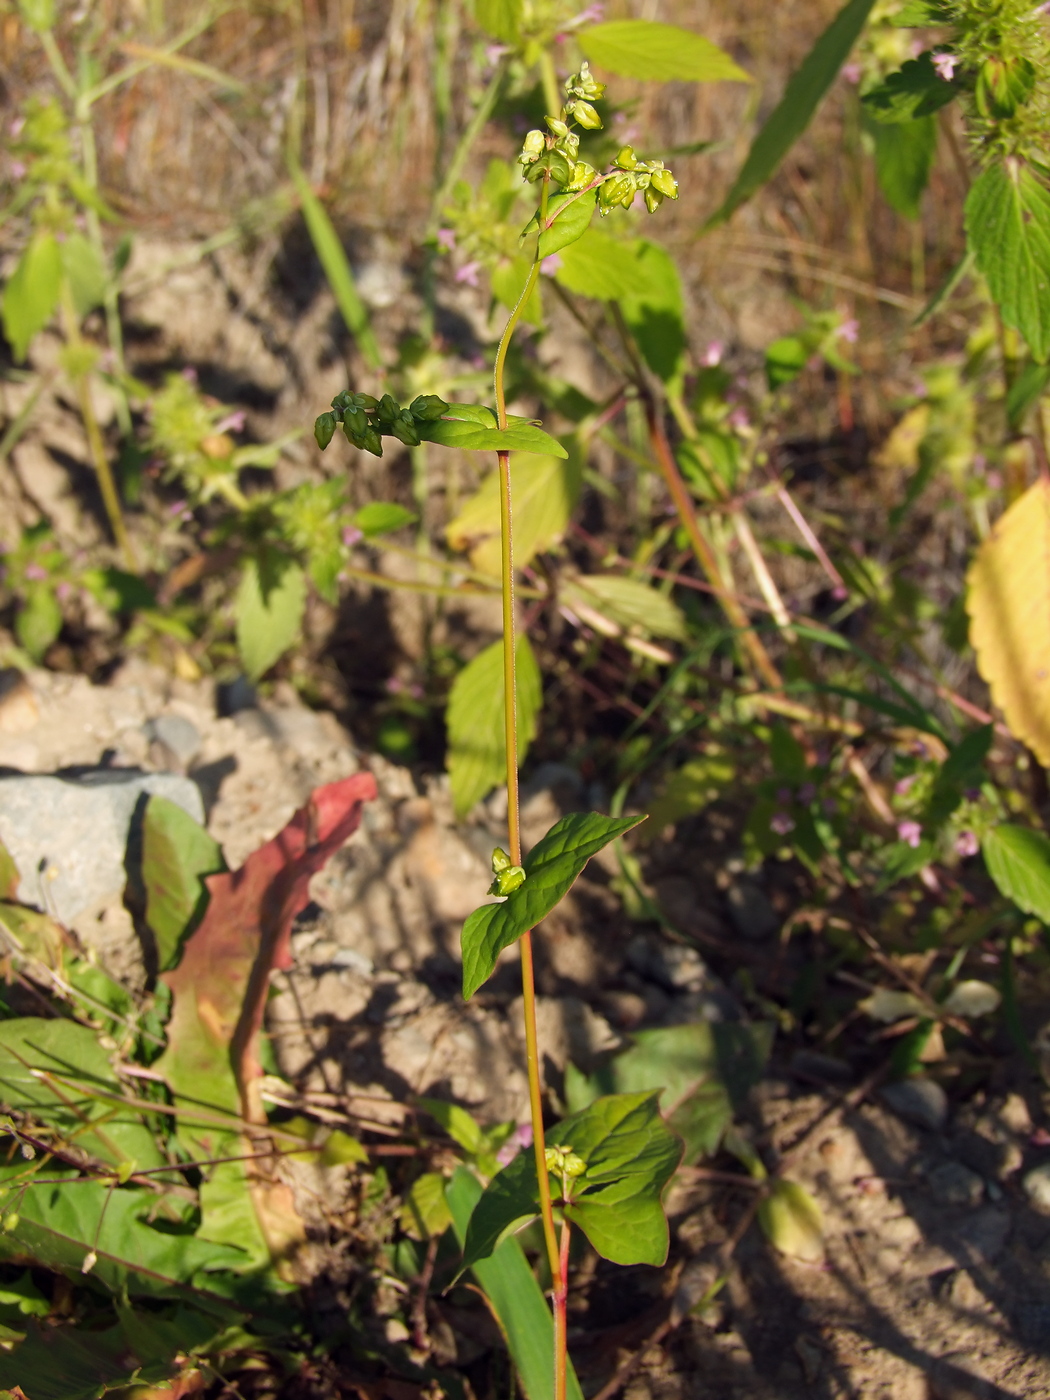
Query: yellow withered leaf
{"points": [[1008, 600]]}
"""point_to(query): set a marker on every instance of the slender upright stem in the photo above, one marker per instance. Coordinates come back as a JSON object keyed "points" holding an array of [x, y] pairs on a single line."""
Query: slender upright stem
{"points": [[561, 1320], [528, 981]]}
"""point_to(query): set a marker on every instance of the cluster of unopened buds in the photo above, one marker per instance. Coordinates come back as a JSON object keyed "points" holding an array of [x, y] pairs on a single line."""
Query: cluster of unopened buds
{"points": [[564, 1162], [366, 420], [555, 153]]}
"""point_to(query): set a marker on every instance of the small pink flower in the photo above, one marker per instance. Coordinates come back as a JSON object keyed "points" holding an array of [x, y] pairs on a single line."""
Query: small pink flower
{"points": [[35, 573], [910, 833], [713, 353], [967, 844], [946, 64], [18, 169], [519, 1138], [840, 593], [849, 330], [395, 685], [994, 480], [851, 72], [591, 15], [904, 785], [63, 590], [232, 423], [352, 535], [189, 374], [494, 52], [446, 238], [781, 823], [15, 129], [550, 265], [468, 274], [739, 420]]}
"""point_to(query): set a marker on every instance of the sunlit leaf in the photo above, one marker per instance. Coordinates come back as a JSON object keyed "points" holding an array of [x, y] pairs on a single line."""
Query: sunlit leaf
{"points": [[425, 1214], [663, 53], [972, 998], [632, 605], [889, 1004], [1018, 860], [477, 759], [86, 272], [177, 854], [472, 437], [32, 291], [544, 493], [568, 215], [500, 18], [457, 1122], [792, 1222], [381, 518], [551, 867], [268, 621], [1008, 600], [915, 90], [1008, 227]]}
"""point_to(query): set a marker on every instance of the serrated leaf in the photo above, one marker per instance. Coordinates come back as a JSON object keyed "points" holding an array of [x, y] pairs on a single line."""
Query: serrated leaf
{"points": [[500, 18], [915, 90], [568, 216], [792, 1221], [177, 855], [663, 53], [544, 493], [477, 758], [1008, 601], [472, 437], [32, 292], [1008, 228], [903, 158], [336, 265], [634, 606], [793, 113], [381, 518], [630, 1155], [551, 867], [510, 1286], [269, 622], [1018, 860]]}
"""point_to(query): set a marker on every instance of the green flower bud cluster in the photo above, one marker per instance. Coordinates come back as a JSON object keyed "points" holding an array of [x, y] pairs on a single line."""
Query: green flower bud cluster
{"points": [[559, 152], [631, 175], [564, 1162], [508, 877], [1004, 85], [366, 420]]}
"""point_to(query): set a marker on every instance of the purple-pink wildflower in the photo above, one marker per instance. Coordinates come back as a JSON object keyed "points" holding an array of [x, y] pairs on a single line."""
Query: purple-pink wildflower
{"points": [[781, 823], [910, 833], [967, 844], [946, 64], [468, 274]]}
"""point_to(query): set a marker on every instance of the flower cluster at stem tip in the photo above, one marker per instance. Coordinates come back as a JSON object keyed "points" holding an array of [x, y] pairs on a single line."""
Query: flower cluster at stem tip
{"points": [[555, 153], [365, 419]]}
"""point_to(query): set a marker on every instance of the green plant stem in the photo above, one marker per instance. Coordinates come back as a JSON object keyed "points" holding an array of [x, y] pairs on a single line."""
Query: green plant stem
{"points": [[549, 79], [528, 979]]}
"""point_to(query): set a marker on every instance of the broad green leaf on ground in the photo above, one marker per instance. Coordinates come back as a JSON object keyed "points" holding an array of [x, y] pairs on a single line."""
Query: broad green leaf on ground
{"points": [[36, 934], [477, 759], [699, 782], [333, 259], [177, 854], [143, 1244], [793, 113], [500, 18], [544, 493], [220, 988], [654, 309], [1008, 601], [71, 1363], [792, 1221], [1018, 860], [915, 90], [514, 1295], [32, 292], [568, 216], [269, 614], [703, 1073], [630, 1155], [1008, 228], [382, 517], [631, 605], [32, 1050], [663, 53], [425, 1214], [551, 867], [472, 437], [86, 272], [903, 158], [599, 265]]}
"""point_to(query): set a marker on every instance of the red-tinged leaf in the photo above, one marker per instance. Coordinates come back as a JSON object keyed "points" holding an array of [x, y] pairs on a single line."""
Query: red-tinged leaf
{"points": [[220, 987]]}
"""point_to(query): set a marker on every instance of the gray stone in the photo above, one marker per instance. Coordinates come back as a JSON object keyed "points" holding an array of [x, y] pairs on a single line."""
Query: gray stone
{"points": [[982, 1236], [920, 1101], [68, 836], [1037, 1187], [179, 736], [673, 966], [751, 912], [952, 1184]]}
